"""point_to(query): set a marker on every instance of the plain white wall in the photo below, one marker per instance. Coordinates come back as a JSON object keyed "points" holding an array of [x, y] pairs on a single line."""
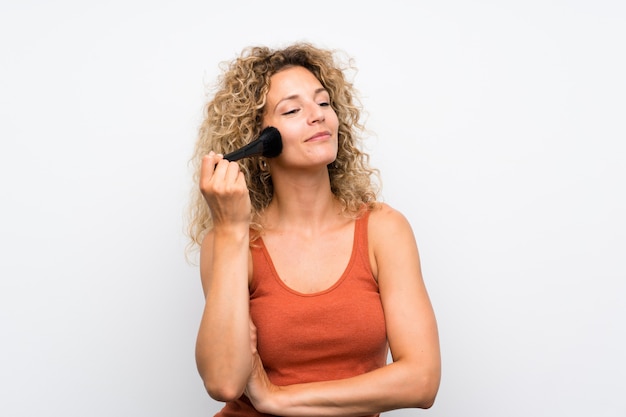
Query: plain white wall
{"points": [[499, 132]]}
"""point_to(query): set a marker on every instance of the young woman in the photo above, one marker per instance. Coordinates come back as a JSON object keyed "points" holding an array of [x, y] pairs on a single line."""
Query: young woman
{"points": [[309, 280]]}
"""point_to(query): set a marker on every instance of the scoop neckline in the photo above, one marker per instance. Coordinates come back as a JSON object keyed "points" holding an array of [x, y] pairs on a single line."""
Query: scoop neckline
{"points": [[337, 283]]}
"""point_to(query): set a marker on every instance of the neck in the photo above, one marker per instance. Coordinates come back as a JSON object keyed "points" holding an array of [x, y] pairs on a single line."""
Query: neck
{"points": [[302, 202]]}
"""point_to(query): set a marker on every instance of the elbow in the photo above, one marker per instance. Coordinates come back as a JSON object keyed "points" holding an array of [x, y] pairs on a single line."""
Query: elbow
{"points": [[222, 383], [425, 391], [220, 387], [430, 390], [427, 401], [223, 392]]}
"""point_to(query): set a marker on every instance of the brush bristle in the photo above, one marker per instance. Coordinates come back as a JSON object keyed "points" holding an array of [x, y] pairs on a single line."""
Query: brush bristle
{"points": [[269, 144], [272, 142]]}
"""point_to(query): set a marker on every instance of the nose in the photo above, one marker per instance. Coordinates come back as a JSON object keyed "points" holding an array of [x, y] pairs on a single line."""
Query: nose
{"points": [[316, 114]]}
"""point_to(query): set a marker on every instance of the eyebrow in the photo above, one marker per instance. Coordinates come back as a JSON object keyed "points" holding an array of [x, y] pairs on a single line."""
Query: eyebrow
{"points": [[295, 96]]}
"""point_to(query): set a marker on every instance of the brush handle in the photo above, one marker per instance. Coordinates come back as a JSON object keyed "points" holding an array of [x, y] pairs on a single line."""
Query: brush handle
{"points": [[267, 140], [253, 148]]}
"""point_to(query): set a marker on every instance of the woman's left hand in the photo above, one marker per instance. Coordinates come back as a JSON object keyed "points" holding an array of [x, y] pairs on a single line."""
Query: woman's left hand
{"points": [[259, 389]]}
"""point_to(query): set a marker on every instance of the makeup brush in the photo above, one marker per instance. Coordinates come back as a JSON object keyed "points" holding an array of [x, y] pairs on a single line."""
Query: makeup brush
{"points": [[269, 144]]}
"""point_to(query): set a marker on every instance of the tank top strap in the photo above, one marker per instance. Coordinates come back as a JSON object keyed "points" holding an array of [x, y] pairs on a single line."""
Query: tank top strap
{"points": [[361, 241]]}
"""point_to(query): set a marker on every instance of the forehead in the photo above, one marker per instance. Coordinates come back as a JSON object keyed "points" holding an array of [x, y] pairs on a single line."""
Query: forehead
{"points": [[292, 80]]}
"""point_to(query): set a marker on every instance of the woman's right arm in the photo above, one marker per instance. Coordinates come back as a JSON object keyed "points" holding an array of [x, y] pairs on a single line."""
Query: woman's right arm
{"points": [[224, 351]]}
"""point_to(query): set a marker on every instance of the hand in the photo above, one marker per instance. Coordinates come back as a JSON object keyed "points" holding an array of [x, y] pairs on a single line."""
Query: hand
{"points": [[259, 389], [253, 338], [224, 188]]}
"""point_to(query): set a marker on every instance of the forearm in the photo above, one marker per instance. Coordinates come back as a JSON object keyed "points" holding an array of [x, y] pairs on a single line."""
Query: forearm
{"points": [[223, 349], [397, 385]]}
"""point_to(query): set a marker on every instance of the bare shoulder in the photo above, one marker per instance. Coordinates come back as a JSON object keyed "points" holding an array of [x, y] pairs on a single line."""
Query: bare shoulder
{"points": [[390, 239], [386, 220]]}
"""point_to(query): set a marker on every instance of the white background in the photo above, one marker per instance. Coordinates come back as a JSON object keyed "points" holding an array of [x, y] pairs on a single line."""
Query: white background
{"points": [[499, 129]]}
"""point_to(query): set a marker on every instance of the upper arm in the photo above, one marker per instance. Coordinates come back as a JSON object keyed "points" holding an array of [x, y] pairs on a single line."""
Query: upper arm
{"points": [[409, 316]]}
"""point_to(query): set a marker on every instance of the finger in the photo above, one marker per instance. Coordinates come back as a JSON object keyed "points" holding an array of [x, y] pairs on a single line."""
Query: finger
{"points": [[220, 172], [220, 168], [207, 169], [231, 175]]}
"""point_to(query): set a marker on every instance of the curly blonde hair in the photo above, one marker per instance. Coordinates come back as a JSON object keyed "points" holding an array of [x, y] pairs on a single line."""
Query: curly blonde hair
{"points": [[233, 118]]}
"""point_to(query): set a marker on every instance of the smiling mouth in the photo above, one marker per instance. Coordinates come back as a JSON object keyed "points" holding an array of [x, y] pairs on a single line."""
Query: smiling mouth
{"points": [[318, 136]]}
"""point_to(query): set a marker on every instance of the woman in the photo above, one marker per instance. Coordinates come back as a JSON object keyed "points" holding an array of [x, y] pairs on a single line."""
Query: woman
{"points": [[308, 279]]}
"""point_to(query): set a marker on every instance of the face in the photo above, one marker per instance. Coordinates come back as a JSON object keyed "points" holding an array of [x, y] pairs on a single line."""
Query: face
{"points": [[299, 107]]}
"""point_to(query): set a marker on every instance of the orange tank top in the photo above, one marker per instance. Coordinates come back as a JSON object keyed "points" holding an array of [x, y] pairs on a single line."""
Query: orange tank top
{"points": [[333, 334]]}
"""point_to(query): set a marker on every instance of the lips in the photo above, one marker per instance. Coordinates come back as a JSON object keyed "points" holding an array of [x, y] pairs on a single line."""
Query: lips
{"points": [[319, 136]]}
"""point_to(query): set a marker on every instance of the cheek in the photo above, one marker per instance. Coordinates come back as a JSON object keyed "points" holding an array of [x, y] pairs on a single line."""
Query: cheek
{"points": [[290, 139], [333, 120], [280, 124], [268, 121]]}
